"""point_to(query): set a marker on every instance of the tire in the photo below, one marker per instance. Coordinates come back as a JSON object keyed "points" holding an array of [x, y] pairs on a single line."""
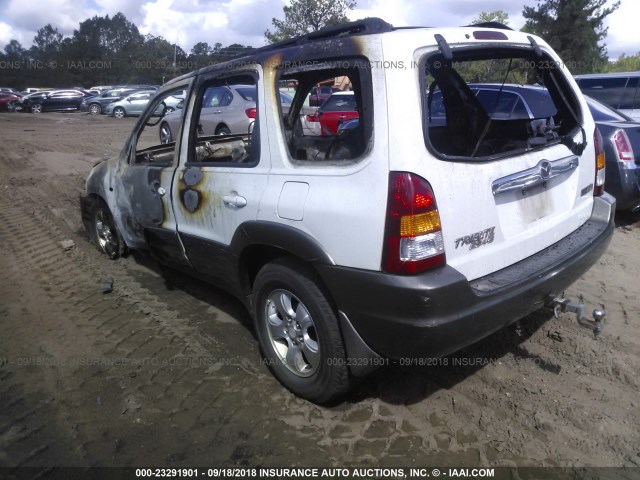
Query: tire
{"points": [[119, 112], [223, 130], [95, 109], [104, 232], [168, 110], [165, 133], [298, 332], [36, 108]]}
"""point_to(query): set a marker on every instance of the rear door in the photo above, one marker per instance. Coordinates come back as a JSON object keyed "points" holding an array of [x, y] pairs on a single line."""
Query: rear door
{"points": [[220, 179]]}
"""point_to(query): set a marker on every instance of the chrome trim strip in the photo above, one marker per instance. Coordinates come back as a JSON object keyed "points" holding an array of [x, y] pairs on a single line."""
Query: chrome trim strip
{"points": [[541, 173]]}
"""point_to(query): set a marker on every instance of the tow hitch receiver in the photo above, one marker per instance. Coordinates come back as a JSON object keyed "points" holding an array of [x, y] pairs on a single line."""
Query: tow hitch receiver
{"points": [[561, 305]]}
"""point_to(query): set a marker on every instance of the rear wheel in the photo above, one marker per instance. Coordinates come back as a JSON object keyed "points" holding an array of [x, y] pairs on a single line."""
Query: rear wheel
{"points": [[223, 130], [95, 109], [298, 332], [105, 233], [36, 108], [119, 112]]}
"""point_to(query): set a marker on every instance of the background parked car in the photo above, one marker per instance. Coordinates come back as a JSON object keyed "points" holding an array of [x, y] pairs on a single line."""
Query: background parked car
{"points": [[56, 100], [96, 104], [621, 136], [7, 101], [225, 110], [135, 103], [338, 108], [320, 94], [620, 91]]}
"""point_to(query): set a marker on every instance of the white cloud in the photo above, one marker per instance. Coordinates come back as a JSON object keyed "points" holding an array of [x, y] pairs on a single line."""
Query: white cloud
{"points": [[188, 22], [623, 30], [6, 33]]}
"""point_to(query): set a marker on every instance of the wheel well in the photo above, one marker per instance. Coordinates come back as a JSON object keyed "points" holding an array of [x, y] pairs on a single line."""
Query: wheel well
{"points": [[254, 257], [220, 127]]}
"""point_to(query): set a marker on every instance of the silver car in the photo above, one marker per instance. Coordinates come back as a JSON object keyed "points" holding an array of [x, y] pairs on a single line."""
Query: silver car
{"points": [[135, 104], [225, 110]]}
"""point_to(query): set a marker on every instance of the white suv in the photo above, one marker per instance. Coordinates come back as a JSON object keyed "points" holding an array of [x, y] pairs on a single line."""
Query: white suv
{"points": [[406, 236]]}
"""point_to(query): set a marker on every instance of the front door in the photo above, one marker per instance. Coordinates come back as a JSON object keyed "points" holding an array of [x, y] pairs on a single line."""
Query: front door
{"points": [[147, 178]]}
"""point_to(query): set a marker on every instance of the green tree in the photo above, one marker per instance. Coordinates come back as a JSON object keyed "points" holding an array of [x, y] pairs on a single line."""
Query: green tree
{"points": [[47, 43], [201, 48], [14, 51], [306, 16], [625, 64], [574, 28], [499, 16]]}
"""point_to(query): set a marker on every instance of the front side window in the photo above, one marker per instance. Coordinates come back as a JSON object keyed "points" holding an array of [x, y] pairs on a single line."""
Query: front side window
{"points": [[340, 129], [155, 142], [486, 104]]}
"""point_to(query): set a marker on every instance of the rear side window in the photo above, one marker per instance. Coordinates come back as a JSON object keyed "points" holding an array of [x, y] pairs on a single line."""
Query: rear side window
{"points": [[487, 104], [606, 90], [339, 131]]}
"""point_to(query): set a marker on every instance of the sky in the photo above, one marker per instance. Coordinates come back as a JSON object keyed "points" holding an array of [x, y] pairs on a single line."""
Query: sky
{"points": [[187, 22]]}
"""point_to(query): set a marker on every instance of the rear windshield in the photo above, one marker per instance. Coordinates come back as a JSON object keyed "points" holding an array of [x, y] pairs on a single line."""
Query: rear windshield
{"points": [[602, 113], [484, 105], [248, 93]]}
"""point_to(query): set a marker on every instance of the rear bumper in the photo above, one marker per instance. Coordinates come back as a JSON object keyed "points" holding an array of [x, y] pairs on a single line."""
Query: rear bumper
{"points": [[438, 312]]}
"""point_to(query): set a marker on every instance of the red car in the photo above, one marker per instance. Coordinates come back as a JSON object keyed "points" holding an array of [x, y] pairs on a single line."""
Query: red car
{"points": [[339, 107], [5, 99]]}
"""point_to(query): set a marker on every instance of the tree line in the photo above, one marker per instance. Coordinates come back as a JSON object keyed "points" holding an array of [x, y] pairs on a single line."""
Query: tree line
{"points": [[104, 51]]}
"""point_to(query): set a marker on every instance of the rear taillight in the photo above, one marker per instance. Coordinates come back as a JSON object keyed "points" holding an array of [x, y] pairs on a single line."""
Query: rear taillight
{"points": [[313, 118], [623, 146], [251, 112], [598, 188], [413, 235]]}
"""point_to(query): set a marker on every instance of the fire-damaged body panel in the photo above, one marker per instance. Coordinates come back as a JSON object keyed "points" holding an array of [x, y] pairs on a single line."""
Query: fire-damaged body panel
{"points": [[431, 214]]}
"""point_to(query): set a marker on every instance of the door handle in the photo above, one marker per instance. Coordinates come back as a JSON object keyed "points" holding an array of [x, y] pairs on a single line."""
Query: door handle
{"points": [[234, 201]]}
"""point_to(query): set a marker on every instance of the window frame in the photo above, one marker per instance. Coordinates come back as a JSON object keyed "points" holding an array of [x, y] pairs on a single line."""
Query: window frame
{"points": [[366, 116], [150, 108], [223, 79]]}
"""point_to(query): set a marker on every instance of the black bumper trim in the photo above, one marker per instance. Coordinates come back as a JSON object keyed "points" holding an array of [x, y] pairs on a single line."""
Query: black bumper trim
{"points": [[439, 312]]}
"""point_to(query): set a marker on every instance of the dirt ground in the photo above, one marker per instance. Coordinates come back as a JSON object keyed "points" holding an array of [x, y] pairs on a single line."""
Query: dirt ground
{"points": [[165, 371]]}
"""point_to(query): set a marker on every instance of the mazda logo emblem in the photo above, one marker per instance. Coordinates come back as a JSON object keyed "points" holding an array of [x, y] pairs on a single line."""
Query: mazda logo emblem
{"points": [[545, 170]]}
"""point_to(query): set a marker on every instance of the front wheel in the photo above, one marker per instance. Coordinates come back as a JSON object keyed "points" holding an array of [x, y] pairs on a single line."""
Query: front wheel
{"points": [[119, 112], [36, 108], [298, 332], [95, 109], [105, 233]]}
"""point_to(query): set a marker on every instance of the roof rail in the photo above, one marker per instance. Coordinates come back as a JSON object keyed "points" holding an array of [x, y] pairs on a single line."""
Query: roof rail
{"points": [[498, 25], [366, 26]]}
